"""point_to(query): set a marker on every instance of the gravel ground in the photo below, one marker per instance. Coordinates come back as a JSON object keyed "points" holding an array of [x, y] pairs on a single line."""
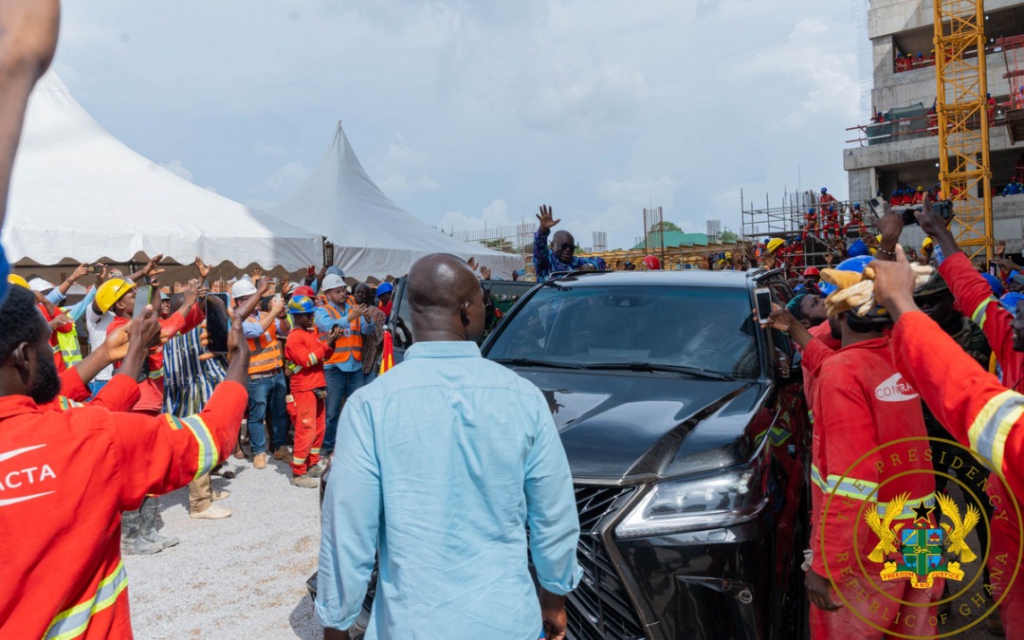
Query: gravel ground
{"points": [[240, 577]]}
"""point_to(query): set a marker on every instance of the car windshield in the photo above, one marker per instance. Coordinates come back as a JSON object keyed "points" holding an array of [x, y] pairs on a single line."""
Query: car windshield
{"points": [[709, 329]]}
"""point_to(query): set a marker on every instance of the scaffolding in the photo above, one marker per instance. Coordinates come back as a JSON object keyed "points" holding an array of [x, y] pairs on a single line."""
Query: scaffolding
{"points": [[1013, 56], [962, 108], [803, 218], [516, 239]]}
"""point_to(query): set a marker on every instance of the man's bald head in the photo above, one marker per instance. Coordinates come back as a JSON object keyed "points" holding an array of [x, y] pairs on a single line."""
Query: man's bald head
{"points": [[446, 299], [564, 245]]}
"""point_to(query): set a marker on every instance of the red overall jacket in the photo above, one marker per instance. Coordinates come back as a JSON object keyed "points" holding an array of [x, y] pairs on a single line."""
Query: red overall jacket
{"points": [[65, 478]]}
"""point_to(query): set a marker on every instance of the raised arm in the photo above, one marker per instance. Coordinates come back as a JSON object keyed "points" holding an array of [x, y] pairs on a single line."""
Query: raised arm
{"points": [[28, 37]]}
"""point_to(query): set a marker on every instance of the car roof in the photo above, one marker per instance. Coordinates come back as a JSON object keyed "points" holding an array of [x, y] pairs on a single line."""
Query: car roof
{"points": [[682, 278]]}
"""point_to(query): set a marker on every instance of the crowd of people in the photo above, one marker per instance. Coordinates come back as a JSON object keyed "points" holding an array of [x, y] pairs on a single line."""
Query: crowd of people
{"points": [[311, 344], [442, 463]]}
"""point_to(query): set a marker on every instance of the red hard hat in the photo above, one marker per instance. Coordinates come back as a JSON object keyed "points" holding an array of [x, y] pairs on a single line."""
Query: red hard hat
{"points": [[652, 263], [811, 271], [304, 291]]}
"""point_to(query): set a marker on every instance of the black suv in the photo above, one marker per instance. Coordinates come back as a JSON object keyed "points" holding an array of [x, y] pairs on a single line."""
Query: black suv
{"points": [[688, 439], [687, 434]]}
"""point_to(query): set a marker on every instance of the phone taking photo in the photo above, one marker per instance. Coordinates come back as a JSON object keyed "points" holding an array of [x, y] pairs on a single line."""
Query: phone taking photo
{"points": [[217, 323], [143, 296], [763, 300]]}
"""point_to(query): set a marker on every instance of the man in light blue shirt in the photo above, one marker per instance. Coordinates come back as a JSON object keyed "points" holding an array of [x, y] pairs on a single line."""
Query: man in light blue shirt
{"points": [[442, 463], [344, 370]]}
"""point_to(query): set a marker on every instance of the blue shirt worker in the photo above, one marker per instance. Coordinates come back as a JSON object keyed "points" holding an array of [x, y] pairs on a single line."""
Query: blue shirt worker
{"points": [[344, 369], [441, 465], [267, 390], [560, 255]]}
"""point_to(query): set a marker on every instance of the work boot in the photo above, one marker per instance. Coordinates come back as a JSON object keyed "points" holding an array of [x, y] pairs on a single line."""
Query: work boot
{"points": [[212, 512], [259, 461], [305, 482], [283, 454], [147, 525], [315, 471], [133, 544]]}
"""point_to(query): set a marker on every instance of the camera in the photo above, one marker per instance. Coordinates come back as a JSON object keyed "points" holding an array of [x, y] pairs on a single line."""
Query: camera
{"points": [[943, 208]]}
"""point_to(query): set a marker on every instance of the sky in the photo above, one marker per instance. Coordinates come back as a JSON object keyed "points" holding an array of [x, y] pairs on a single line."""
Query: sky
{"points": [[473, 113]]}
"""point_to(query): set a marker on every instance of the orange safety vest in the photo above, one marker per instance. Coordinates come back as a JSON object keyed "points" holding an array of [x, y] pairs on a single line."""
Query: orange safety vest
{"points": [[266, 355], [350, 344]]}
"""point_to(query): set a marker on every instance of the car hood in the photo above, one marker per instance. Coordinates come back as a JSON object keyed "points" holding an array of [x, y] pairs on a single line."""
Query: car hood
{"points": [[635, 425]]}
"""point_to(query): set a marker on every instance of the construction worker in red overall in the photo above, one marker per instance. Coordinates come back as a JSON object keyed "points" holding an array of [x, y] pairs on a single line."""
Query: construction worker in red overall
{"points": [[861, 406], [989, 415], [68, 475], [306, 350], [141, 532]]}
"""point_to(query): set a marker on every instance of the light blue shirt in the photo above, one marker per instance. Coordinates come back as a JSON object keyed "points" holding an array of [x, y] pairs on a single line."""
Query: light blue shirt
{"points": [[324, 322], [440, 465], [75, 312], [253, 330], [55, 296]]}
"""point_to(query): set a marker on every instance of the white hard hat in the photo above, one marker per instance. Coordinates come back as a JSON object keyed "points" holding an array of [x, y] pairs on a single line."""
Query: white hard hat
{"points": [[242, 289], [40, 285], [332, 281]]}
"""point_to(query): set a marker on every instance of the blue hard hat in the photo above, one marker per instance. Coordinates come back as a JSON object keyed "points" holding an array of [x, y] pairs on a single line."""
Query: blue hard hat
{"points": [[385, 287], [858, 249], [994, 284], [1010, 301], [856, 205], [811, 210], [855, 264], [824, 190], [299, 305]]}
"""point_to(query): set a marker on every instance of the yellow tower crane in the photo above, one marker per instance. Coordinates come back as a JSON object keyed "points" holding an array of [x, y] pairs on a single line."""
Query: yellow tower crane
{"points": [[963, 120]]}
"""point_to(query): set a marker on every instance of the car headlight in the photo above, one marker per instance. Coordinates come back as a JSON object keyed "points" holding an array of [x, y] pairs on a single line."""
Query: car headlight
{"points": [[728, 498]]}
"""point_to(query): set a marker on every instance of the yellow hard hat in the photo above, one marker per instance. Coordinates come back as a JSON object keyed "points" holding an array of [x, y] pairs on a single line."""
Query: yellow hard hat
{"points": [[17, 280], [926, 244], [774, 244], [111, 291]]}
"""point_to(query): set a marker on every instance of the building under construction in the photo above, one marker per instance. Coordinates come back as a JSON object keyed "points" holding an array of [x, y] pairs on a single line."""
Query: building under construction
{"points": [[814, 222], [948, 102]]}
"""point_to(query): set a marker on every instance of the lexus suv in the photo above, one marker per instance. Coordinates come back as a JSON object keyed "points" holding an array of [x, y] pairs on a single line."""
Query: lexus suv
{"points": [[686, 432]]}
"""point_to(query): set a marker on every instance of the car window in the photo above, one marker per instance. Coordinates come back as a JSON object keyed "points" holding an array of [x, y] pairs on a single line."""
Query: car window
{"points": [[707, 328]]}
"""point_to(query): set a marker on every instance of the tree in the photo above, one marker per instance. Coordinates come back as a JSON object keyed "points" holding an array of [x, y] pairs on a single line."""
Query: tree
{"points": [[665, 225], [728, 237]]}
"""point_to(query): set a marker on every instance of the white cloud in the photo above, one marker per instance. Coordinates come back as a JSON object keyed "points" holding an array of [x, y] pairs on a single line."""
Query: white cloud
{"points": [[591, 101], [493, 215], [824, 75], [178, 169], [399, 166], [284, 180], [399, 182], [595, 106]]}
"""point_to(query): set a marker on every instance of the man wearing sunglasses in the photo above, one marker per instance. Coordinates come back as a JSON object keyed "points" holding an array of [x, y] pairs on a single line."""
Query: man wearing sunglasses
{"points": [[559, 256]]}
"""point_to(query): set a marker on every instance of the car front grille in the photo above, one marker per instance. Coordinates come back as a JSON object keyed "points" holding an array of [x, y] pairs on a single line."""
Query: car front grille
{"points": [[600, 608]]}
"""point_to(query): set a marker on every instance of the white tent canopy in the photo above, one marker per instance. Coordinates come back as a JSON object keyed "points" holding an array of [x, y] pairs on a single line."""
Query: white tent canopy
{"points": [[372, 235], [79, 193]]}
